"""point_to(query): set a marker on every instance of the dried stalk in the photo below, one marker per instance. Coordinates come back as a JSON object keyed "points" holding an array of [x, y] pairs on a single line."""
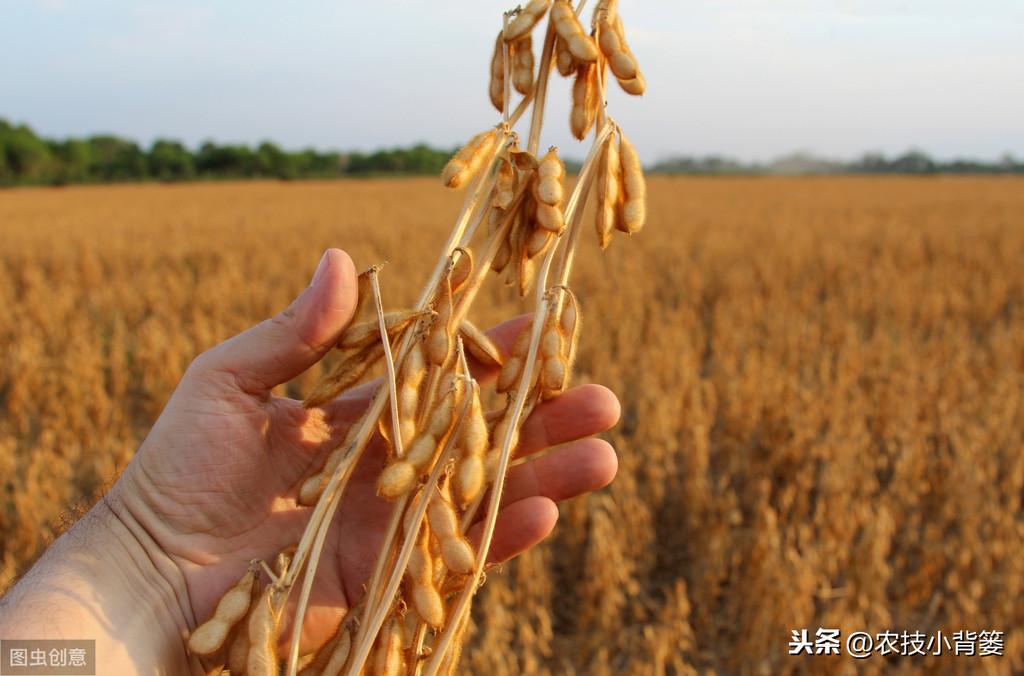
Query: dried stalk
{"points": [[573, 211], [310, 573], [368, 632]]}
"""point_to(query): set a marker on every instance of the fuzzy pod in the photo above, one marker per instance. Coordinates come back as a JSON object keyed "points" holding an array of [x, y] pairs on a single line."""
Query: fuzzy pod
{"points": [[467, 162], [636, 87], [538, 242], [524, 22], [473, 432], [339, 655], [496, 80], [480, 345], [522, 65], [585, 101], [232, 607], [425, 597], [550, 218], [512, 369], [568, 27], [347, 373], [469, 477], [428, 604], [263, 626], [563, 58], [462, 270], [504, 184], [553, 377], [504, 255], [396, 480], [410, 379], [238, 651], [389, 659], [550, 178], [612, 42], [421, 450], [362, 334], [439, 338], [634, 189], [609, 192], [456, 552]]}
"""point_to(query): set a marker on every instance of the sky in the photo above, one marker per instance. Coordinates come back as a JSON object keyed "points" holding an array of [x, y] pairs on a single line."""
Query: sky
{"points": [[751, 79]]}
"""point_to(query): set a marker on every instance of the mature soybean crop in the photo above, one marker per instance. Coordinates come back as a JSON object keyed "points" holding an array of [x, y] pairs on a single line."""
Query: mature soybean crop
{"points": [[822, 382]]}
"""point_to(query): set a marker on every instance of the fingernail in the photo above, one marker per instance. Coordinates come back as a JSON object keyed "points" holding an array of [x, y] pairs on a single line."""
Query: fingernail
{"points": [[321, 268]]}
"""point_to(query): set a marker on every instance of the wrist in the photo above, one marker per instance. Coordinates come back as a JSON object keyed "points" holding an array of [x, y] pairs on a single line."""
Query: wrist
{"points": [[104, 581]]}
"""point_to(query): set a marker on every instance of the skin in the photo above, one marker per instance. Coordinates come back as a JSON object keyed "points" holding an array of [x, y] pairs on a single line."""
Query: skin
{"points": [[213, 486]]}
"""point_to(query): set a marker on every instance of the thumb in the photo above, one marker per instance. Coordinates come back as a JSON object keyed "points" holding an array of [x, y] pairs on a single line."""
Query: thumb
{"points": [[280, 348]]}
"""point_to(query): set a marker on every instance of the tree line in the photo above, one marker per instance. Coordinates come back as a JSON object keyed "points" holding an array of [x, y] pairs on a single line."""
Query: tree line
{"points": [[910, 162], [27, 158]]}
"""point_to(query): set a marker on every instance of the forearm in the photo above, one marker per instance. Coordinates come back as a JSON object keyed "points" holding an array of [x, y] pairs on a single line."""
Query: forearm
{"points": [[101, 581]]}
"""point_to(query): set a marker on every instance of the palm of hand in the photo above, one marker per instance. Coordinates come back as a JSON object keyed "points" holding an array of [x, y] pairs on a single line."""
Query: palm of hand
{"points": [[214, 483]]}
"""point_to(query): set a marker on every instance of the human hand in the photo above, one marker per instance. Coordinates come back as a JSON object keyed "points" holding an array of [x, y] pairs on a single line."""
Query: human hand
{"points": [[214, 483]]}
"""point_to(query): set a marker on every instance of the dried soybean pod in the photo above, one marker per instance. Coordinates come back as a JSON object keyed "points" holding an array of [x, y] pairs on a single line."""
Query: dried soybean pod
{"points": [[550, 218], [466, 163], [413, 371], [313, 486], [612, 43], [522, 65], [527, 271], [634, 189], [513, 366], [232, 607], [364, 293], [346, 374], [551, 336], [388, 659], [479, 345], [456, 551], [496, 84], [568, 27], [569, 322], [538, 242], [504, 184], [362, 334], [238, 651], [462, 270], [504, 255], [263, 626], [550, 178], [609, 191], [396, 480], [563, 58], [497, 438], [524, 22], [339, 655], [584, 100], [637, 86], [473, 439], [439, 338], [425, 597]]}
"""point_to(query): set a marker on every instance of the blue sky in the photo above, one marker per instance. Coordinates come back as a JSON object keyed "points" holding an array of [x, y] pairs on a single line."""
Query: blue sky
{"points": [[747, 78]]}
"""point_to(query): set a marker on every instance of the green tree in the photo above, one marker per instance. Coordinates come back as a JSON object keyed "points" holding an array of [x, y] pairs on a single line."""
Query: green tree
{"points": [[116, 159], [73, 158], [170, 161], [27, 158]]}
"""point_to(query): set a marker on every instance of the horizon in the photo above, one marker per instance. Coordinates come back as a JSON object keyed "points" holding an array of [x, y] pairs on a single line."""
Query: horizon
{"points": [[727, 78], [799, 153]]}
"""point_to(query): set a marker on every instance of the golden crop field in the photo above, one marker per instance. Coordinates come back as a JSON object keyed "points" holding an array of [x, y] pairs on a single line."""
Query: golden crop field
{"points": [[822, 380]]}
